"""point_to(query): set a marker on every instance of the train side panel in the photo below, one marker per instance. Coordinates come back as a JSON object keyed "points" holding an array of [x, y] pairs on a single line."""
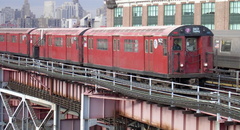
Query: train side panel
{"points": [[131, 53], [58, 44], [3, 42], [13, 43], [15, 40], [98, 52], [24, 44], [156, 56], [149, 50], [226, 49]]}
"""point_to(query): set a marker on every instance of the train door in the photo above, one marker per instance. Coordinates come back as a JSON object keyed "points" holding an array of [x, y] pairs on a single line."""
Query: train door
{"points": [[79, 44], [50, 43], [7, 42], [36, 46], [68, 47], [177, 53], [3, 42], [192, 55], [148, 63], [116, 51], [90, 50], [23, 44]]}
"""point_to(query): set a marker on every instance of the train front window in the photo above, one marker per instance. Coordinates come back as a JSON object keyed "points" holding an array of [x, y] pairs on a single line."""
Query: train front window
{"points": [[191, 44], [177, 44]]}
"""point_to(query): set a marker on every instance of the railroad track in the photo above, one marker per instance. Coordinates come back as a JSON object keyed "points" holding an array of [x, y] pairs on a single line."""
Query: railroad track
{"points": [[206, 99]]}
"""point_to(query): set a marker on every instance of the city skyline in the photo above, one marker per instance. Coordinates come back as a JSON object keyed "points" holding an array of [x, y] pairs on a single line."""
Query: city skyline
{"points": [[37, 6]]}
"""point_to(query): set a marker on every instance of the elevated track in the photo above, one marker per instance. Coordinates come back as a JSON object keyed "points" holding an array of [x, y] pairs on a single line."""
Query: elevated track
{"points": [[218, 102]]}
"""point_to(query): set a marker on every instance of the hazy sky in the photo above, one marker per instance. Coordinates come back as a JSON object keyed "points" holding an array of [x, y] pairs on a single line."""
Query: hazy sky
{"points": [[37, 5]]}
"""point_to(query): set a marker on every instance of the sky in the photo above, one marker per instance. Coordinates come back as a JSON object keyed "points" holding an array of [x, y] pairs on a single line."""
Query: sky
{"points": [[37, 5]]}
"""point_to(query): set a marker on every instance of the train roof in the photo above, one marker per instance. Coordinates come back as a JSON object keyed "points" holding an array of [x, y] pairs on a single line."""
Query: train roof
{"points": [[226, 33], [150, 31], [16, 30], [60, 31]]}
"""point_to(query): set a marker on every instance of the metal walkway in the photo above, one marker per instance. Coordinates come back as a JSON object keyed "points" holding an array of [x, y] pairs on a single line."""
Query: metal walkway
{"points": [[213, 101]]}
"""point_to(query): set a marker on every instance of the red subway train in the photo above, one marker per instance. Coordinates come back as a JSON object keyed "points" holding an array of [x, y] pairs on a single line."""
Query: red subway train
{"points": [[172, 52]]}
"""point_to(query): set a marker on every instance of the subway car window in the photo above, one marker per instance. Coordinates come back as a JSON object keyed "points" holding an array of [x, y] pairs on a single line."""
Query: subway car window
{"points": [[177, 44], [58, 41], [118, 45], [191, 44], [92, 43], [114, 45], [146, 46], [151, 46], [102, 44], [130, 45], [69, 41], [2, 38], [164, 47], [21, 38], [49, 41], [226, 46], [89, 43], [14, 39]]}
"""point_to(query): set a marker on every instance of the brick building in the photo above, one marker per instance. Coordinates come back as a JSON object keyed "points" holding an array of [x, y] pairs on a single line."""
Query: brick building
{"points": [[214, 14]]}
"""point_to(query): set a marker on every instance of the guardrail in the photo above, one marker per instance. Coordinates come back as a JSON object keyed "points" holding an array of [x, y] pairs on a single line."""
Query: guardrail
{"points": [[177, 94]]}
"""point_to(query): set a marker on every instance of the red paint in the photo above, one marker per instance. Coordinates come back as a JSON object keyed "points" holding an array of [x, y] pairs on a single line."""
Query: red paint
{"points": [[184, 121], [197, 123], [69, 48], [136, 49], [147, 51]]}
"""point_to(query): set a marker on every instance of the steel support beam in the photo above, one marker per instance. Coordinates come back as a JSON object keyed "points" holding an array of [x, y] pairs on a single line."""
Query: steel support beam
{"points": [[25, 107], [24, 117], [85, 107], [56, 123], [86, 121], [1, 104]]}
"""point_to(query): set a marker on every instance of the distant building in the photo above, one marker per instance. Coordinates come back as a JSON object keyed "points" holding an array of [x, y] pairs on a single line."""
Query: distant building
{"points": [[49, 23], [101, 17], [69, 23], [100, 21], [2, 18], [27, 23], [54, 23], [86, 21], [214, 14], [101, 11], [9, 14], [75, 1], [26, 12], [42, 22], [17, 14], [49, 9], [69, 10]]}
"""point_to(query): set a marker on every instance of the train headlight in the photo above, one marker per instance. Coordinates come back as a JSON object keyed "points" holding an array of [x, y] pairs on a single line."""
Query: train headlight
{"points": [[181, 65], [205, 64]]}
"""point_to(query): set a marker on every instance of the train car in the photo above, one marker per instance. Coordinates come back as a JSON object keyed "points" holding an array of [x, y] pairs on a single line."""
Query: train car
{"points": [[59, 44], [15, 41], [159, 51], [226, 49]]}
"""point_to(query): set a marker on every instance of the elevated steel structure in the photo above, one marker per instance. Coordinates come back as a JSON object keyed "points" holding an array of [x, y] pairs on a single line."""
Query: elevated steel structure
{"points": [[225, 104], [17, 121]]}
